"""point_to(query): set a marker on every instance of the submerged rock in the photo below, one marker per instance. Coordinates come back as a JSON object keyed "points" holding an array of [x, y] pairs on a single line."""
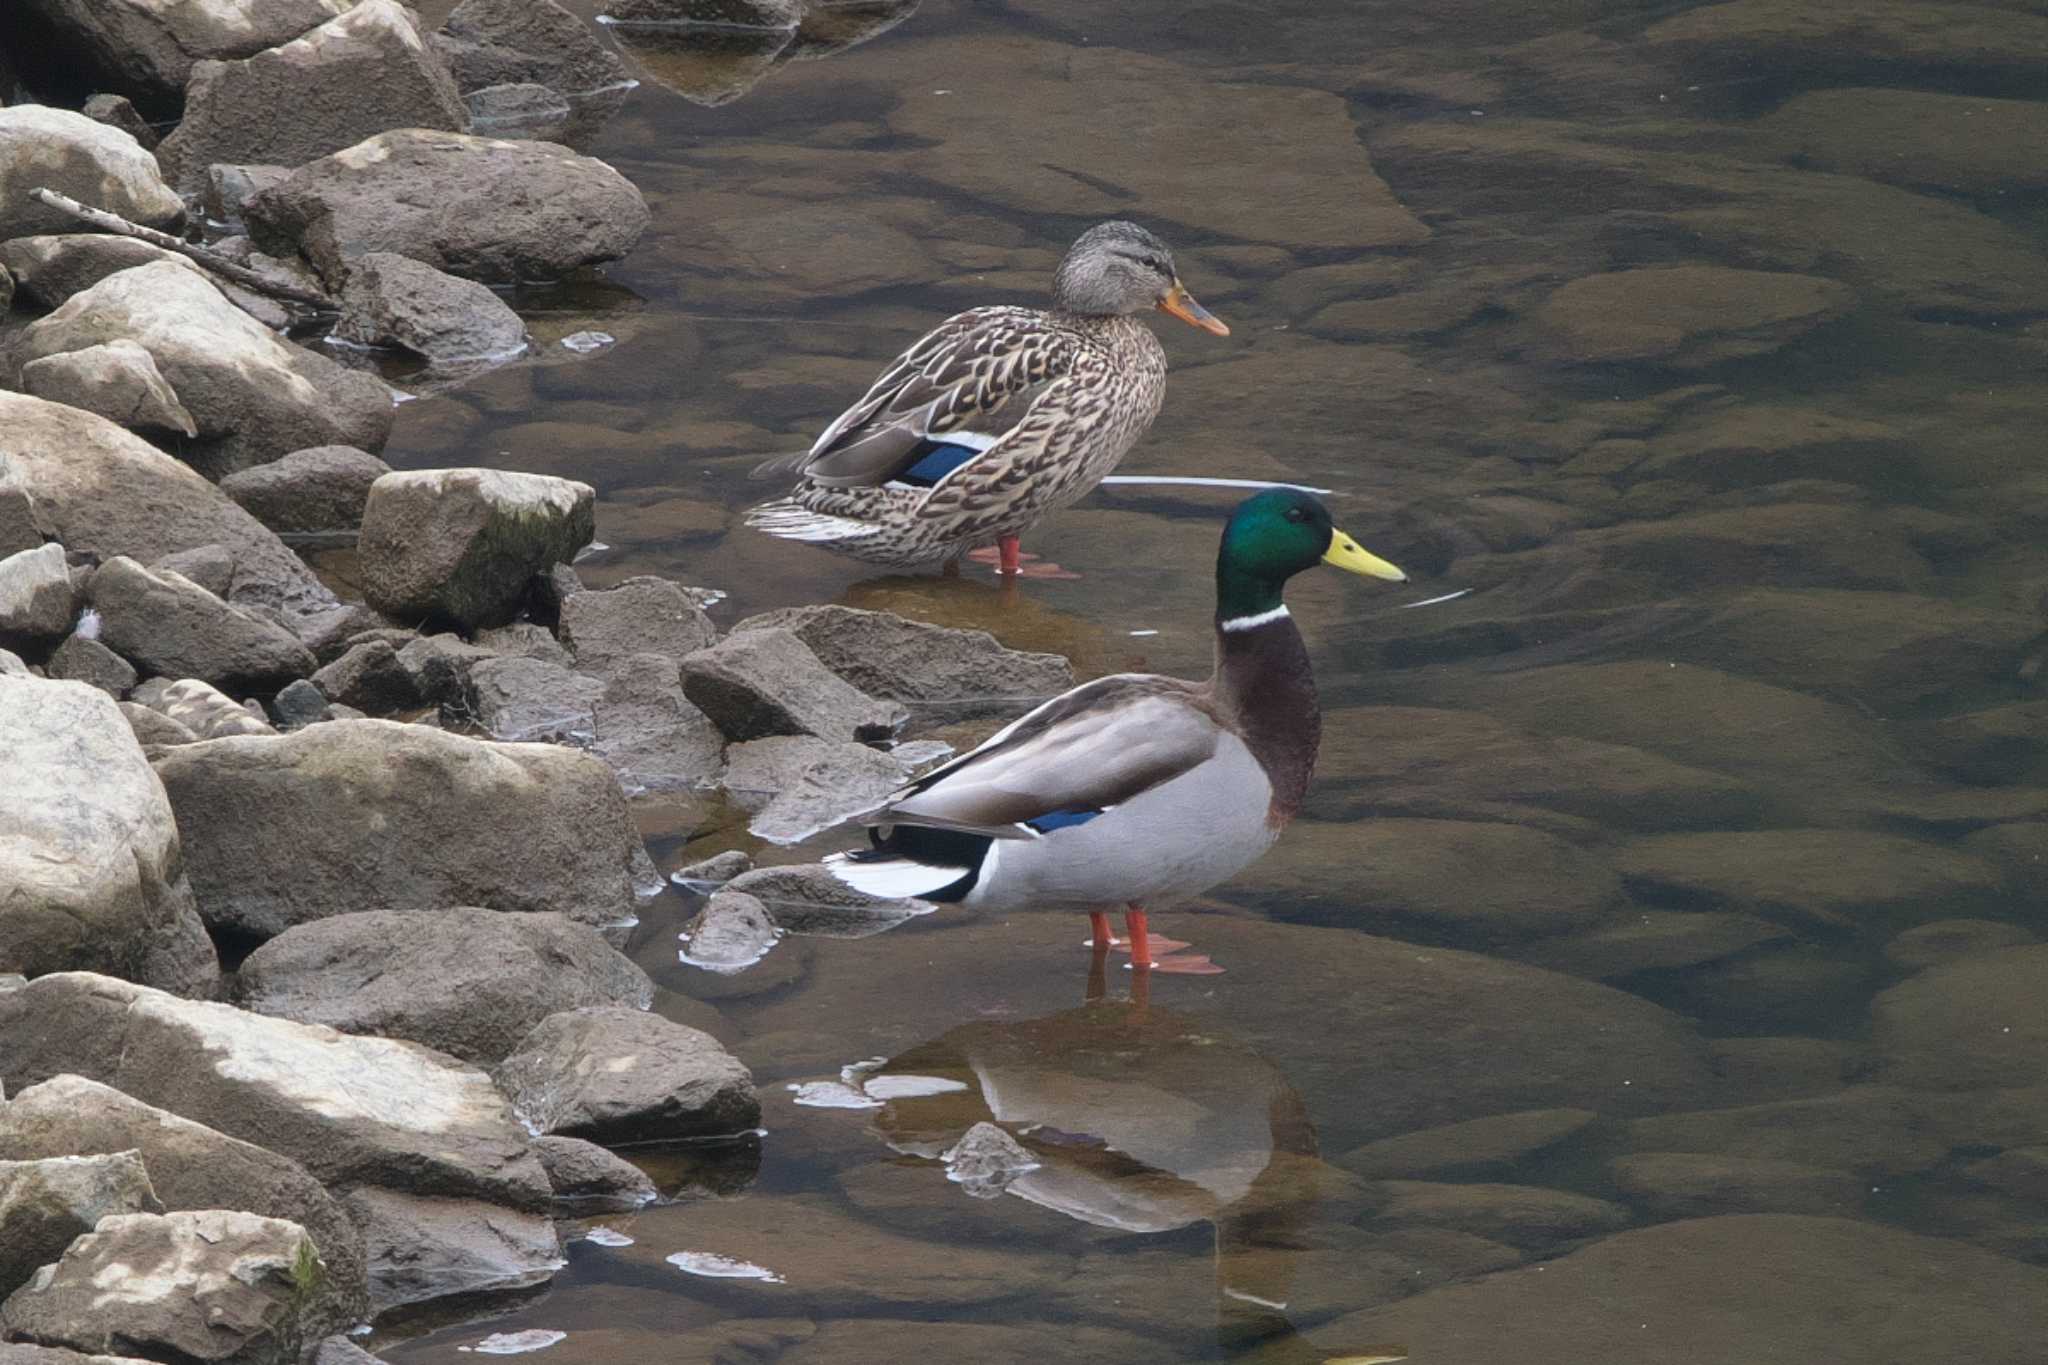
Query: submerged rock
{"points": [[46, 148], [281, 831], [321, 488], [253, 395], [730, 934], [93, 869], [1692, 1185], [1493, 1143], [469, 982], [798, 785], [611, 1074], [537, 42], [424, 1247], [591, 1177], [191, 1166], [1520, 1215], [47, 1202], [963, 672], [523, 111], [350, 1110], [171, 626], [118, 380], [486, 209], [1687, 317], [1915, 137], [355, 75], [393, 300], [768, 682], [462, 545], [105, 492], [1966, 1024], [219, 1287]]}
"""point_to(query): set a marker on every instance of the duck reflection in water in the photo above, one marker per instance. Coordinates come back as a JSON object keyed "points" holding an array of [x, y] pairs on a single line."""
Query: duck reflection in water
{"points": [[1135, 1118]]}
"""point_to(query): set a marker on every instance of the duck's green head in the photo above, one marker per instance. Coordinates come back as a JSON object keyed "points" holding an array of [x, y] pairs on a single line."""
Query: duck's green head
{"points": [[1271, 537]]}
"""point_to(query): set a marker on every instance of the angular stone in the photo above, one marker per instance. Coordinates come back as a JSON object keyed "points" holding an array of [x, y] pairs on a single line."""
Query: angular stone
{"points": [[321, 488], [212, 567], [462, 545], [47, 1202], [154, 727], [84, 659], [648, 731], [253, 395], [588, 1175], [350, 1110], [735, 13], [367, 70], [440, 665], [485, 209], [193, 1167], [94, 871], [612, 1074], [501, 42], [964, 672], [768, 682], [1687, 317], [46, 148], [798, 785], [220, 1286], [299, 704], [37, 601], [281, 831], [51, 268], [103, 491], [392, 300], [117, 111], [471, 983], [370, 678], [524, 700], [644, 615], [204, 710], [423, 1247], [118, 380], [170, 625]]}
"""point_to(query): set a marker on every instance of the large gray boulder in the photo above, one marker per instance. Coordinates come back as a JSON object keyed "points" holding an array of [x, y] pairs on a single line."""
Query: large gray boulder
{"points": [[217, 1287], [369, 678], [327, 89], [644, 615], [147, 50], [352, 1111], [767, 682], [82, 658], [470, 982], [107, 492], [321, 488], [525, 42], [898, 659], [172, 627], [374, 815], [527, 700], [45, 148], [427, 1247], [93, 870], [611, 1074], [47, 1202], [37, 599], [393, 300], [462, 545], [51, 267], [191, 1166], [483, 208], [253, 395], [118, 380]]}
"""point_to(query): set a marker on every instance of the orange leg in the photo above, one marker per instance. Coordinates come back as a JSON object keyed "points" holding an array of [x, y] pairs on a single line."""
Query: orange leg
{"points": [[1102, 939], [1141, 941], [1143, 945], [1012, 551]]}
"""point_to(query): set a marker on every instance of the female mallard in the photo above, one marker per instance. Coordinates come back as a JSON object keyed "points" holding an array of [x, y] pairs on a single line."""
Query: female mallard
{"points": [[995, 417], [1135, 788]]}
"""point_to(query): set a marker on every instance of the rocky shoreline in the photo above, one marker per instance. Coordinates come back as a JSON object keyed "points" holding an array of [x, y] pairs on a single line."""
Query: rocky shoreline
{"points": [[306, 991]]}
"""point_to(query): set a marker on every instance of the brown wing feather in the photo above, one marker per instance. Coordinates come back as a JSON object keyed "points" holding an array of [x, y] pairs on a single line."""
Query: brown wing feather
{"points": [[1089, 749]]}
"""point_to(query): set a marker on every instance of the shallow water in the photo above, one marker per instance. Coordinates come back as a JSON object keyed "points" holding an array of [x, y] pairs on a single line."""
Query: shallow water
{"points": [[1723, 786]]}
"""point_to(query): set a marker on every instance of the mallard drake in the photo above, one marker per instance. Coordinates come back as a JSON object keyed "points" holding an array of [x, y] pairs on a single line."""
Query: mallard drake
{"points": [[995, 417], [1133, 789]]}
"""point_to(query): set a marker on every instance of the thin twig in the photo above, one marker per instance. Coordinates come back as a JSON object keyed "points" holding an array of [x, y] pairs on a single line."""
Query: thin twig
{"points": [[203, 256]]}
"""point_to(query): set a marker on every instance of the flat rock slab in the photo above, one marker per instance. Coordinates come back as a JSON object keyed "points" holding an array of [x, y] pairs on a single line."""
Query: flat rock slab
{"points": [[767, 682], [1687, 317], [525, 700], [42, 147], [611, 1074], [644, 615], [47, 1202], [350, 1110], [253, 395], [1521, 1215], [172, 627], [193, 1167], [220, 1286], [462, 545], [483, 208], [281, 831], [1497, 1141], [107, 492], [94, 871], [1738, 1288], [799, 785], [469, 982], [1694, 1185], [650, 733], [367, 70], [961, 672], [1914, 137]]}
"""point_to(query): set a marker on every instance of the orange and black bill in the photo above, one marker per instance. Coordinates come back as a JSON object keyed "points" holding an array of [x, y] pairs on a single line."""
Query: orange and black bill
{"points": [[1179, 302]]}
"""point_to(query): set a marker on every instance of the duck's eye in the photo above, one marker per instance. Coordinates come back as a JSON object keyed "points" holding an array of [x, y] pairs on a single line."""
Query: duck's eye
{"points": [[1154, 263], [1296, 514]]}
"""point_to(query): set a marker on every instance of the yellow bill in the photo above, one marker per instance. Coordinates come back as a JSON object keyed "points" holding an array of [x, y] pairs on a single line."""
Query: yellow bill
{"points": [[1179, 302], [1347, 553]]}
